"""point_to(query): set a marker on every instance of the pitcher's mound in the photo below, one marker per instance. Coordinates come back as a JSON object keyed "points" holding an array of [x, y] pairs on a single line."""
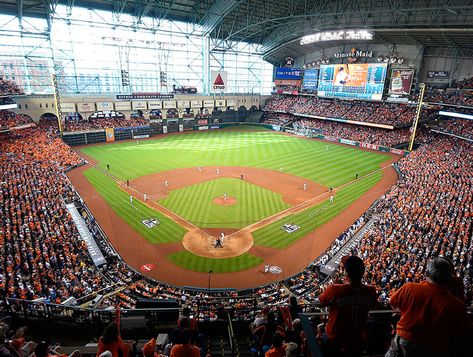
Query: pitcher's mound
{"points": [[222, 202]]}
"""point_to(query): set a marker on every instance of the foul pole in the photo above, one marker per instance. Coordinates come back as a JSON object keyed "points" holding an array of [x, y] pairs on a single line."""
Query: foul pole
{"points": [[416, 119], [57, 101]]}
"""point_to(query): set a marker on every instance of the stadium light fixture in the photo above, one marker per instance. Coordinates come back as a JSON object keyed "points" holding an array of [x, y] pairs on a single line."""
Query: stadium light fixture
{"points": [[337, 36]]}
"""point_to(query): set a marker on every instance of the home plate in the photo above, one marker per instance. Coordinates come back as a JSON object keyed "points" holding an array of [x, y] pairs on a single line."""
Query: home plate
{"points": [[146, 267]]}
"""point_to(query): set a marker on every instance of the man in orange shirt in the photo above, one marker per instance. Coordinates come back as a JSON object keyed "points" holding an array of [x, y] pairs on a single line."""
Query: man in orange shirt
{"points": [[432, 320], [184, 348], [349, 305]]}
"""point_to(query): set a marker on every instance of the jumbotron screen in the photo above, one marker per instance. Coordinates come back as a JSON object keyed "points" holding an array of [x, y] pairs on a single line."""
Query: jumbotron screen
{"points": [[352, 81]]}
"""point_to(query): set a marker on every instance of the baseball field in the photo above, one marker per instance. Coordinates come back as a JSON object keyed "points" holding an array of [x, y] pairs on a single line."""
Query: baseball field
{"points": [[239, 187]]}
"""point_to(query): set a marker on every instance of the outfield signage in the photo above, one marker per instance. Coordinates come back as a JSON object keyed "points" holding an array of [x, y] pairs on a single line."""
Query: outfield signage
{"points": [[155, 104], [144, 96], [401, 81], [86, 107], [348, 142], [218, 81], [139, 105], [288, 73], [231, 102], [208, 103], [220, 103], [104, 106], [169, 104], [68, 107], [183, 104], [438, 74], [196, 104], [122, 105]]}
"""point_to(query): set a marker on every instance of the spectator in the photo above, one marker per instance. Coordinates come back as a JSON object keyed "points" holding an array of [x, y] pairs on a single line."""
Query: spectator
{"points": [[432, 319], [184, 348], [349, 305], [111, 341], [277, 349]]}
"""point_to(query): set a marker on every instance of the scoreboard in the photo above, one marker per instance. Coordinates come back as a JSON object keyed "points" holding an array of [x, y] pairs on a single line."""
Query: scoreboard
{"points": [[352, 81]]}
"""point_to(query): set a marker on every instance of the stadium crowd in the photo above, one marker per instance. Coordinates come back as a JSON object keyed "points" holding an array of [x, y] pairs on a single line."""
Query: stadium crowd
{"points": [[426, 214], [379, 113], [359, 133], [10, 120], [9, 88], [461, 127]]}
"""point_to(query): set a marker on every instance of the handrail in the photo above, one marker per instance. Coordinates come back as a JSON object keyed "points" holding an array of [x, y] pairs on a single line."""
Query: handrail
{"points": [[231, 335]]}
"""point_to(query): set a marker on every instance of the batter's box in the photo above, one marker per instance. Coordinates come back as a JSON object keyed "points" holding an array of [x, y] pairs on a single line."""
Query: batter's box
{"points": [[150, 222]]}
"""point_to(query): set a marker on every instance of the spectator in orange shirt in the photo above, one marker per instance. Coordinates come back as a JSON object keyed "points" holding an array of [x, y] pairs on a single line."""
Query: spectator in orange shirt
{"points": [[349, 305], [277, 349], [111, 341], [184, 348], [432, 319]]}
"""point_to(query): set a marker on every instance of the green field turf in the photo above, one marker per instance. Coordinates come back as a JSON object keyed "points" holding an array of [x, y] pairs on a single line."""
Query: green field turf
{"points": [[325, 163], [273, 236], [167, 231], [253, 203], [189, 261]]}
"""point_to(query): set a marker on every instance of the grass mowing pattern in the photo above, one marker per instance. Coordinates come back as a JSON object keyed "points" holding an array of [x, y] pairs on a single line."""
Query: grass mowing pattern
{"points": [[193, 262], [167, 231], [273, 236], [194, 203], [325, 163]]}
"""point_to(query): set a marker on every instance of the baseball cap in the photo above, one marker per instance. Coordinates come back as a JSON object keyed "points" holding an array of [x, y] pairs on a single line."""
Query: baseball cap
{"points": [[354, 266]]}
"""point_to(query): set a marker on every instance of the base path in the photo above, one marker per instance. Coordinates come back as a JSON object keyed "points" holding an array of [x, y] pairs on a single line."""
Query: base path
{"points": [[137, 251], [289, 186]]}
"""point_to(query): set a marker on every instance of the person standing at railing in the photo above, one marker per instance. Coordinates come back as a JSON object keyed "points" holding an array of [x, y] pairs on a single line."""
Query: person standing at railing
{"points": [[433, 323], [348, 305]]}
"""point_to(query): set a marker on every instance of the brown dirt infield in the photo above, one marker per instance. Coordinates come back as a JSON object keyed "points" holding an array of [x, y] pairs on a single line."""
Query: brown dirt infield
{"points": [[221, 201], [136, 251]]}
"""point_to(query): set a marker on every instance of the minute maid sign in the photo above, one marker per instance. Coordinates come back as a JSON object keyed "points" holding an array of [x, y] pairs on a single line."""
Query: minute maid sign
{"points": [[354, 54]]}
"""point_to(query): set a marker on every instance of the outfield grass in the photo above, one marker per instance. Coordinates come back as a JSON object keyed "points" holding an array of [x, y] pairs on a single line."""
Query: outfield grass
{"points": [[194, 203], [273, 236], [193, 262], [167, 231], [325, 163]]}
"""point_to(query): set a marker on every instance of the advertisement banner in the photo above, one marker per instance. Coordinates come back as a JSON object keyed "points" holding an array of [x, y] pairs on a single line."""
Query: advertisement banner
{"points": [[288, 82], [288, 73], [369, 146], [438, 74], [348, 142], [310, 79], [203, 128], [401, 81], [139, 105], [104, 106], [231, 102], [196, 104], [144, 96], [68, 107], [218, 81], [352, 81], [220, 103], [109, 134], [169, 104], [155, 104], [183, 104], [123, 106], [86, 107], [209, 103]]}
